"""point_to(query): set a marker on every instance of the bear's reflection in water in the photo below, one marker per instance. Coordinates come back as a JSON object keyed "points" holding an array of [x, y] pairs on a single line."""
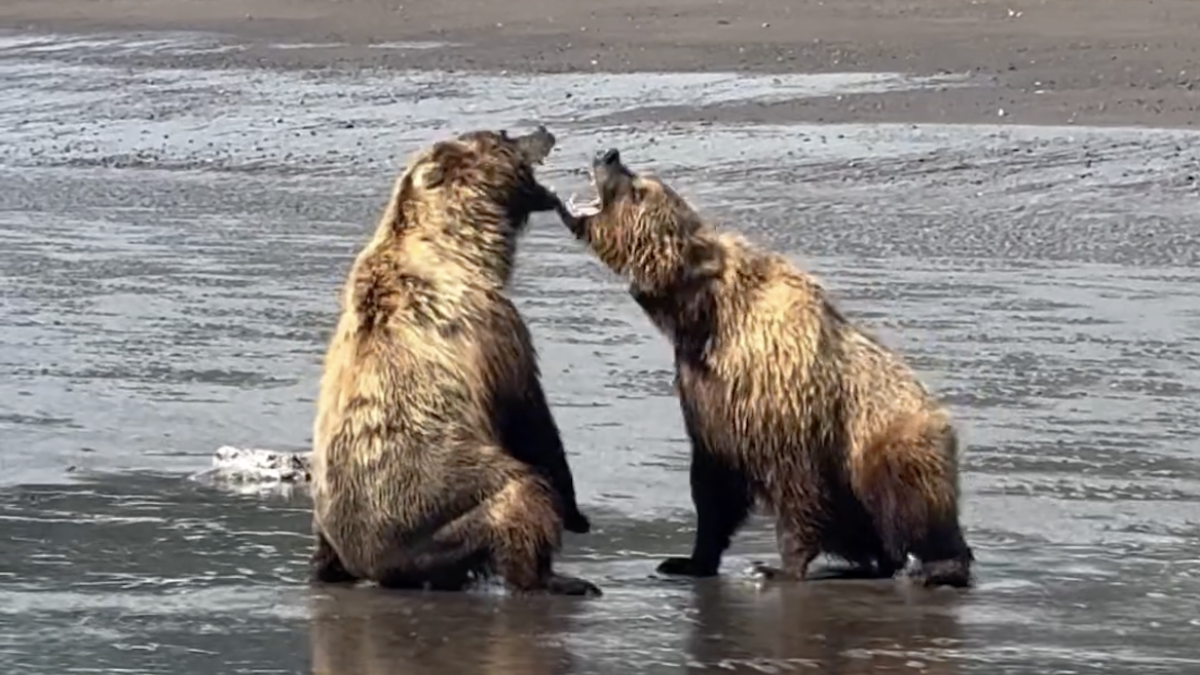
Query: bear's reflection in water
{"points": [[833, 627], [371, 631]]}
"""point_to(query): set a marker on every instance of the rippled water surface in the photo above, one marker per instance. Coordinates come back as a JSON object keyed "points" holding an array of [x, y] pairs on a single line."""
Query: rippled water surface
{"points": [[171, 242]]}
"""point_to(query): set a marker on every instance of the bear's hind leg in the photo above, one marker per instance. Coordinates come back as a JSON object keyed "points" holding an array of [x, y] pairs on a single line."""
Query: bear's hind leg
{"points": [[885, 566], [441, 562], [517, 530], [907, 481], [526, 529], [325, 566], [945, 557], [721, 495], [799, 543], [435, 575]]}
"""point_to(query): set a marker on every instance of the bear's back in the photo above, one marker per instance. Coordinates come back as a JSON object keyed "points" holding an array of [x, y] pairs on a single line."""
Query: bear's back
{"points": [[415, 365]]}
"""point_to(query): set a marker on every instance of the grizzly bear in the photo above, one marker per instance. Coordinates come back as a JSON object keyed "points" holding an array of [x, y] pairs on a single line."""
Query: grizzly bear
{"points": [[435, 456], [786, 403]]}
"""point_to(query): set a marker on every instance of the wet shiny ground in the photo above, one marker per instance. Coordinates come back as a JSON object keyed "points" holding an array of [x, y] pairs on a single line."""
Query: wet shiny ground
{"points": [[171, 241]]}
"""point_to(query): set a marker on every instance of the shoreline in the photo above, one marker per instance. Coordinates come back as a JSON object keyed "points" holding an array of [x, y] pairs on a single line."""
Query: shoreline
{"points": [[1082, 62]]}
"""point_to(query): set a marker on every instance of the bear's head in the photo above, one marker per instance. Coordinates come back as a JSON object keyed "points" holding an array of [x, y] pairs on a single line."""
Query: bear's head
{"points": [[642, 229], [467, 199]]}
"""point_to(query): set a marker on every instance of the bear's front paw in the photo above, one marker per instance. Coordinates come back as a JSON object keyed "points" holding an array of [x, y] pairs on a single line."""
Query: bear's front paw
{"points": [[565, 585], [765, 572], [684, 567], [326, 571]]}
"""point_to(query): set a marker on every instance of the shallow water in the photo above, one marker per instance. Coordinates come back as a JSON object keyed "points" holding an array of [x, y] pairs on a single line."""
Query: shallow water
{"points": [[171, 241]]}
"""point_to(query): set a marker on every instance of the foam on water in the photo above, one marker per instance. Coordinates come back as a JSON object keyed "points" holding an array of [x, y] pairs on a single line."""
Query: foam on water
{"points": [[256, 467]]}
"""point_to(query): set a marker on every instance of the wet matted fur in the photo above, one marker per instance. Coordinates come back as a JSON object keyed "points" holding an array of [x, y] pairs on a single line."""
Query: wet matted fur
{"points": [[785, 401], [435, 456]]}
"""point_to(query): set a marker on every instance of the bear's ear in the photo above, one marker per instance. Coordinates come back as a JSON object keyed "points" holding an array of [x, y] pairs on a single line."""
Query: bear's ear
{"points": [[447, 161], [401, 196], [393, 215], [536, 146]]}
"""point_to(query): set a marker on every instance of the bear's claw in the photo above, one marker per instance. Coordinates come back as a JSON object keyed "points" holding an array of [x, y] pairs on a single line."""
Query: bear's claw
{"points": [[764, 572]]}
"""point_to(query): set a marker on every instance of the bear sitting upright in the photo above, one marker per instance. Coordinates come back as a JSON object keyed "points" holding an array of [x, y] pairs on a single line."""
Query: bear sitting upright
{"points": [[784, 400], [435, 456]]}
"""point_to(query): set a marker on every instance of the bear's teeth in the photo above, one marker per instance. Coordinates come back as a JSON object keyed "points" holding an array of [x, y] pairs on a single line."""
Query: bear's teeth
{"points": [[578, 210]]}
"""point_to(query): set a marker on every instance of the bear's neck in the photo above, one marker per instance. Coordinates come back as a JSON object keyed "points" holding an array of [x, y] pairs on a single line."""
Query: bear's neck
{"points": [[472, 261], [471, 245]]}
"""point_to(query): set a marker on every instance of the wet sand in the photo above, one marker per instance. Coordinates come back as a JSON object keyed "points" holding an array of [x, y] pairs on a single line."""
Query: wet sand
{"points": [[179, 209], [1109, 62]]}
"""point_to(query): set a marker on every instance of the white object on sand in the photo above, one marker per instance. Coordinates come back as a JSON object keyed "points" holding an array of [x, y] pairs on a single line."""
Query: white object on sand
{"points": [[257, 466]]}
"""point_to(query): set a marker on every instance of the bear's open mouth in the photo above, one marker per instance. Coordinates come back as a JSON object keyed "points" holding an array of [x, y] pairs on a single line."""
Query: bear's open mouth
{"points": [[588, 208]]}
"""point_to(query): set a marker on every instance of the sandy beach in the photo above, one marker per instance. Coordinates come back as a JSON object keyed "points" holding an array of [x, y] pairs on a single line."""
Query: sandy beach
{"points": [[1093, 62]]}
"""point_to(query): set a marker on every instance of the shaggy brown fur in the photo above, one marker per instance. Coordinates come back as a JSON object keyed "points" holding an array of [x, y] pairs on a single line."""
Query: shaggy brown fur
{"points": [[435, 456], [784, 400]]}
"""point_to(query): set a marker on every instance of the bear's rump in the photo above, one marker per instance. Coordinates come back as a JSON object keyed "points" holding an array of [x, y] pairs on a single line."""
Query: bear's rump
{"points": [[372, 512]]}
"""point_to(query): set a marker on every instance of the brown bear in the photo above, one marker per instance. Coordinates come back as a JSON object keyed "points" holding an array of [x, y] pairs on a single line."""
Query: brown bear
{"points": [[435, 456], [785, 401]]}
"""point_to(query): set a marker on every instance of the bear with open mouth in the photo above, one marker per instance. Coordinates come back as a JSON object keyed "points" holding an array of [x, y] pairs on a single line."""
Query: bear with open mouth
{"points": [[786, 402], [435, 456]]}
